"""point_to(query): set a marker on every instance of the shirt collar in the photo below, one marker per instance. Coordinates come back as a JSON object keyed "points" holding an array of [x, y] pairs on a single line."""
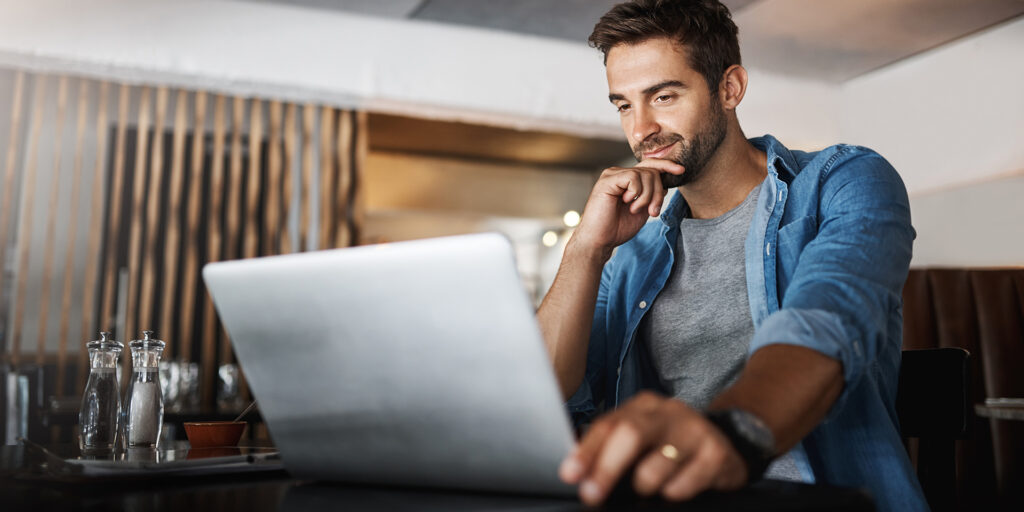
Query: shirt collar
{"points": [[781, 163]]}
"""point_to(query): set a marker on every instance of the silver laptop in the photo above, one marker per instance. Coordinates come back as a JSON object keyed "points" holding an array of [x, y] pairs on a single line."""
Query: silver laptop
{"points": [[414, 363]]}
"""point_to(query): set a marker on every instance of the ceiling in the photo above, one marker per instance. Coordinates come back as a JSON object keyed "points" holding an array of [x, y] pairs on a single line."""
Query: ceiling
{"points": [[825, 40]]}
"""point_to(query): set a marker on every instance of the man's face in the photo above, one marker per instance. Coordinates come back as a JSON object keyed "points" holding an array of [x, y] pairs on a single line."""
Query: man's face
{"points": [[665, 106]]}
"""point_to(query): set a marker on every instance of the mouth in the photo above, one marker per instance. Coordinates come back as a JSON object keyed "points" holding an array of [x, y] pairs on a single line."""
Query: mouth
{"points": [[660, 152]]}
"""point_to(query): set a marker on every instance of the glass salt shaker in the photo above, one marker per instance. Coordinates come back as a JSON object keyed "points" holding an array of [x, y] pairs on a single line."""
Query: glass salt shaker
{"points": [[101, 402], [143, 403]]}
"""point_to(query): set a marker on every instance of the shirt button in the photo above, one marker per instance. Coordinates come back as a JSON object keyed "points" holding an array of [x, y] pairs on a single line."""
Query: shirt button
{"points": [[643, 304], [618, 371]]}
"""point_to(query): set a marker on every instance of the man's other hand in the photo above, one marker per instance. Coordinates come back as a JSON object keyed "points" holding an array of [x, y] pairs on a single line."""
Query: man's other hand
{"points": [[621, 202], [676, 451]]}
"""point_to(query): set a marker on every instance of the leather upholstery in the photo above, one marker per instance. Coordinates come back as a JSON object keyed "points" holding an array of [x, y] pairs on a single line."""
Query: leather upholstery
{"points": [[981, 311]]}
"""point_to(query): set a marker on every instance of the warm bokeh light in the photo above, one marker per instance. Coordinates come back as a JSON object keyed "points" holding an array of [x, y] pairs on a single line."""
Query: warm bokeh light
{"points": [[549, 239], [571, 218]]}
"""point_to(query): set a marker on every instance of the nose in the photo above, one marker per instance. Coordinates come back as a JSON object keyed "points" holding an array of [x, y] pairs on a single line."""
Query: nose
{"points": [[644, 124]]}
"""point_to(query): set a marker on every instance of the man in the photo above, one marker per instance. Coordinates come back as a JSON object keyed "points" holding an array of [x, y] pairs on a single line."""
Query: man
{"points": [[756, 324]]}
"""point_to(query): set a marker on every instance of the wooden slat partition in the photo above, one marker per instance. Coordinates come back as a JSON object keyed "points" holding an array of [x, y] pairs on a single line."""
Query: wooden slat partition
{"points": [[156, 213]]}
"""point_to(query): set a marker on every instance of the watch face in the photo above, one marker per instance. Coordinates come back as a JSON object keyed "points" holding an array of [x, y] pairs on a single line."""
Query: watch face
{"points": [[753, 430]]}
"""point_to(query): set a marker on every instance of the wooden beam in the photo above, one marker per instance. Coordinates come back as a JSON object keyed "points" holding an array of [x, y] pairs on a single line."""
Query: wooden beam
{"points": [[342, 236], [327, 178]]}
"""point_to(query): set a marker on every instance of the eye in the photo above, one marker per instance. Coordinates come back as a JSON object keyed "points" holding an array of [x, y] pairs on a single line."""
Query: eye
{"points": [[663, 98], [623, 108]]}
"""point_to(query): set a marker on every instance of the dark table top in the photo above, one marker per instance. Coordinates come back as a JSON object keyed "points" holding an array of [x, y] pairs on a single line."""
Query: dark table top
{"points": [[22, 487]]}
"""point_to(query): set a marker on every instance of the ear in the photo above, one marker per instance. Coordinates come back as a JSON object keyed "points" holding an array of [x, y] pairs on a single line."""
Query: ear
{"points": [[732, 87]]}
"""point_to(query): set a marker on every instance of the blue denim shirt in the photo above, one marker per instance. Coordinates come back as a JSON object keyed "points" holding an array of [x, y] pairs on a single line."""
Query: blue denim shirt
{"points": [[826, 257]]}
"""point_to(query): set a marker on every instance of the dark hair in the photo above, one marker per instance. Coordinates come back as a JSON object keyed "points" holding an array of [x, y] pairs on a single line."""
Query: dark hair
{"points": [[705, 27]]}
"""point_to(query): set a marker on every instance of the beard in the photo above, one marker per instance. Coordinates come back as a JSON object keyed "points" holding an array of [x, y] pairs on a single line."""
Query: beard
{"points": [[691, 154]]}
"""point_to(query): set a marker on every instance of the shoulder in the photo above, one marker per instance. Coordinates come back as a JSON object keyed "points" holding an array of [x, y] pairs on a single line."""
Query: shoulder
{"points": [[845, 170]]}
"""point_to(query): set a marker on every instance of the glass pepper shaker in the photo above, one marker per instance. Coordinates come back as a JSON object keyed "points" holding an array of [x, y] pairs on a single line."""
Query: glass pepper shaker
{"points": [[143, 403], [101, 402]]}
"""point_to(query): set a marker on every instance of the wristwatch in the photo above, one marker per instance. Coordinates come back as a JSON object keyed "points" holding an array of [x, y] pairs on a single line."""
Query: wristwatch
{"points": [[751, 438]]}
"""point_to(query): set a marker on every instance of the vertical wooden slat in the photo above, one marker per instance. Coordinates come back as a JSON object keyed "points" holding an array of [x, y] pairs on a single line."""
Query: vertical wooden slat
{"points": [[207, 361], [362, 139], [169, 334], [327, 192], [49, 248], [252, 233], [343, 151], [7, 206], [305, 200], [234, 201], [112, 241], [136, 215], [69, 266], [25, 227], [290, 131], [191, 239], [254, 185], [95, 222], [153, 205], [273, 216]]}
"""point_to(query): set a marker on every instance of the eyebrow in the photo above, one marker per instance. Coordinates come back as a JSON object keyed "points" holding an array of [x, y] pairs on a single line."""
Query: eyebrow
{"points": [[652, 89]]}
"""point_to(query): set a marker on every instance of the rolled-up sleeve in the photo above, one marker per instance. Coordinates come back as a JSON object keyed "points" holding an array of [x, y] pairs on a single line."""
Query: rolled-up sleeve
{"points": [[582, 405], [848, 278]]}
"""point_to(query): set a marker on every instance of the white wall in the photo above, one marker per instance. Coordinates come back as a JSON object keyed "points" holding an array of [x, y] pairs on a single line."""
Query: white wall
{"points": [[976, 225], [947, 117]]}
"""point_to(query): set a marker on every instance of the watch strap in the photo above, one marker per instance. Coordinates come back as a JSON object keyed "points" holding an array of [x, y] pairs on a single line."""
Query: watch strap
{"points": [[757, 454]]}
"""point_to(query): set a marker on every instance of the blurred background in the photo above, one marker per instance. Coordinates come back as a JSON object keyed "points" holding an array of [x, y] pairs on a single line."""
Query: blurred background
{"points": [[140, 140]]}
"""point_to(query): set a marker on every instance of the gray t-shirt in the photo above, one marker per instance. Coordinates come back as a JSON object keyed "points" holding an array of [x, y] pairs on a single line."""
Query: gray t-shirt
{"points": [[699, 328]]}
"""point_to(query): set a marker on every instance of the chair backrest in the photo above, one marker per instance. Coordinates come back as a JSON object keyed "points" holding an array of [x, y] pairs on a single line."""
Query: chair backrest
{"points": [[933, 400], [933, 404]]}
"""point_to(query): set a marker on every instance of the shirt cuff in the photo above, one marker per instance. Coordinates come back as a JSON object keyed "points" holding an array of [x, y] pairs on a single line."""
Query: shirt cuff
{"points": [[818, 330]]}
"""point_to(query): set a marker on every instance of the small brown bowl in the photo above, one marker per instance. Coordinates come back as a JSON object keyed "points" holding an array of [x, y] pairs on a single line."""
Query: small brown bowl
{"points": [[214, 433]]}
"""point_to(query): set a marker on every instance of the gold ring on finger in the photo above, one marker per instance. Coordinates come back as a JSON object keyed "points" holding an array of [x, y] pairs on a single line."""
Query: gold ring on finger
{"points": [[670, 452]]}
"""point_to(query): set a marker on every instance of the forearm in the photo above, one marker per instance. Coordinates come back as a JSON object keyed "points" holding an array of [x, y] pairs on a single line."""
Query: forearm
{"points": [[790, 388], [566, 313]]}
